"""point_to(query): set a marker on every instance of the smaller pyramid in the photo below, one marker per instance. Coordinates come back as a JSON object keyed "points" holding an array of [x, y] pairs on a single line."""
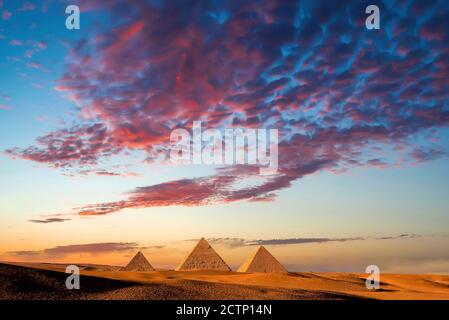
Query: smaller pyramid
{"points": [[262, 262], [203, 257], [138, 263]]}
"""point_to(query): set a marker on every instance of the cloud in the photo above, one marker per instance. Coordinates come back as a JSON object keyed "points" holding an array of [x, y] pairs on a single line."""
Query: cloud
{"points": [[422, 155], [5, 107], [230, 242], [102, 173], [323, 240], [103, 247], [37, 85], [36, 46], [328, 85], [16, 42], [81, 145], [241, 242], [300, 241], [48, 220], [154, 247], [6, 15], [36, 65], [27, 6], [401, 236], [24, 253], [187, 192], [5, 96], [106, 173], [191, 192]]}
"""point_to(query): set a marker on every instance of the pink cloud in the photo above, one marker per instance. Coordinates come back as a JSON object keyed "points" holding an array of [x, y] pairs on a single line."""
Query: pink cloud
{"points": [[61, 149], [36, 65], [16, 42], [37, 85], [42, 45], [6, 15], [82, 248], [37, 47], [5, 107], [27, 6]]}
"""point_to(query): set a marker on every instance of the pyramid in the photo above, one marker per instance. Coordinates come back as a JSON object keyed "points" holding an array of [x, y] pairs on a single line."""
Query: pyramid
{"points": [[262, 262], [138, 263], [203, 257]]}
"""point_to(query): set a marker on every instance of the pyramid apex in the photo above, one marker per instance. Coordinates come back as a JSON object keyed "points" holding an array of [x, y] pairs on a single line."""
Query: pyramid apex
{"points": [[203, 242], [261, 250], [139, 253]]}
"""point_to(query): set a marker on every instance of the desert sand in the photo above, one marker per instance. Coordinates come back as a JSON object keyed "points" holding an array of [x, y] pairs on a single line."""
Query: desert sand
{"points": [[46, 281]]}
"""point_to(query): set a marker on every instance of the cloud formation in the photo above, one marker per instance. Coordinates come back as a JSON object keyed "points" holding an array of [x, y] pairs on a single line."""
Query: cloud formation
{"points": [[48, 220], [339, 93], [81, 145], [6, 15], [82, 248], [5, 107], [27, 6], [241, 242]]}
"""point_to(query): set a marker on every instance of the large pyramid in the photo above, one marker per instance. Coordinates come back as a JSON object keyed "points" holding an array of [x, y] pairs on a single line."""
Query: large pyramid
{"points": [[203, 257], [138, 263], [262, 262]]}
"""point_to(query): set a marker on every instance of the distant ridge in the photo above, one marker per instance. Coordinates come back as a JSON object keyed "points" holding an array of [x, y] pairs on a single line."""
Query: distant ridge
{"points": [[203, 257], [262, 262], [138, 263]]}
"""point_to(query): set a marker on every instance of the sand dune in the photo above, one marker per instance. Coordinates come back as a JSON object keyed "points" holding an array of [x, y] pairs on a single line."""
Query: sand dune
{"points": [[46, 281]]}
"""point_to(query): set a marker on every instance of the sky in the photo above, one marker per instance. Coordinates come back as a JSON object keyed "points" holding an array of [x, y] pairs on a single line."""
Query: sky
{"points": [[86, 117]]}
